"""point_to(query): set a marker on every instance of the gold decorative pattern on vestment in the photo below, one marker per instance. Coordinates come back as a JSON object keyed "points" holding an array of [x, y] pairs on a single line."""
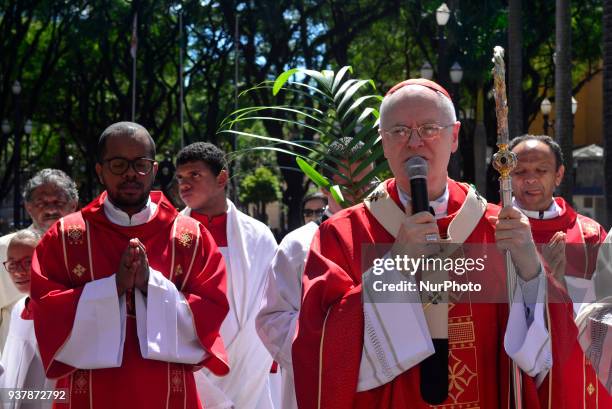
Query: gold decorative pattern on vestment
{"points": [[461, 332], [80, 382], [590, 389], [75, 234], [178, 270], [185, 238], [79, 270], [590, 228], [460, 376], [177, 380]]}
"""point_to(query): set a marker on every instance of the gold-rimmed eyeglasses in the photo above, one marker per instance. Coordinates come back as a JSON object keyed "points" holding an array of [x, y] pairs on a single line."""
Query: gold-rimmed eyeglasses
{"points": [[426, 132]]}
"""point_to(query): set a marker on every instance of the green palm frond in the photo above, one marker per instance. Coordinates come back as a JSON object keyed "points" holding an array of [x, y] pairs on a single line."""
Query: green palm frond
{"points": [[330, 105]]}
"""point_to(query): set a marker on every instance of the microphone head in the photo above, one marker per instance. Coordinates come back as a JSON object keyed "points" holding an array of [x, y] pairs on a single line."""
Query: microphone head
{"points": [[416, 168]]}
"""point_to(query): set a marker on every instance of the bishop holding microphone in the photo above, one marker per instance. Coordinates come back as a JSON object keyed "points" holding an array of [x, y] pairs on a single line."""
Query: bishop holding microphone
{"points": [[353, 352]]}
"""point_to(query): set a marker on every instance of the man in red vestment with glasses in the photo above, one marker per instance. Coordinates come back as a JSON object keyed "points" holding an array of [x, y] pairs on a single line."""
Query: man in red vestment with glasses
{"points": [[128, 295], [569, 242], [352, 351]]}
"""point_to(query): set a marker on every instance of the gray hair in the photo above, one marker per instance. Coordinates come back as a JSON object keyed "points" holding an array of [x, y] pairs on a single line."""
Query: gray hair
{"points": [[25, 235], [51, 176]]}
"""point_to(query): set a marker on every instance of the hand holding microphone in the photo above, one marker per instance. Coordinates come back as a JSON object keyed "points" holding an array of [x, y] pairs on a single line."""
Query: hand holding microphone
{"points": [[418, 236], [419, 233]]}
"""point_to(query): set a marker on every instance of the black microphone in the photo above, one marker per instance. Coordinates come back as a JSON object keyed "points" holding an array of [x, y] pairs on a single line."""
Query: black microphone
{"points": [[434, 369], [416, 169]]}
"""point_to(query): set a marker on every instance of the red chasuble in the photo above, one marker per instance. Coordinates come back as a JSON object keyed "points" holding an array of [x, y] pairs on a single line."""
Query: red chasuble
{"points": [[86, 246], [328, 347], [584, 235]]}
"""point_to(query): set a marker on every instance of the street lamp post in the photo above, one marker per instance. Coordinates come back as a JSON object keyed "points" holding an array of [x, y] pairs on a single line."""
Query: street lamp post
{"points": [[17, 161], [442, 17], [426, 71], [456, 75], [545, 108], [27, 128]]}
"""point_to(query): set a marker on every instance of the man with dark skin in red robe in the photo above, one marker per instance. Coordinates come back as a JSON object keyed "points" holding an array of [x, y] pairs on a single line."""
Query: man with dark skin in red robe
{"points": [[128, 296]]}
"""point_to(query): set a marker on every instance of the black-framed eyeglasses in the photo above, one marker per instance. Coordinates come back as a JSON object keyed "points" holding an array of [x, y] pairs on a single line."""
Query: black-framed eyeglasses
{"points": [[118, 166], [426, 132], [12, 266], [314, 212]]}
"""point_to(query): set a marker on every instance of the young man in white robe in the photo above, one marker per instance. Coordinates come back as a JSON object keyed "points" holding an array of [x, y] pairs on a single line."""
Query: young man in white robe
{"points": [[248, 247], [21, 358], [276, 322], [48, 195]]}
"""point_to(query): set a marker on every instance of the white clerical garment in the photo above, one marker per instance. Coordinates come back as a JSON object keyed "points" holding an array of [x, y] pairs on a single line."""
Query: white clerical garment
{"points": [[276, 322], [8, 292], [595, 320], [21, 358], [250, 249]]}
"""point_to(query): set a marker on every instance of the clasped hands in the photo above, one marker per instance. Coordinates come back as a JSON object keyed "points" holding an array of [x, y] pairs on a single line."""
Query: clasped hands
{"points": [[512, 233], [133, 268]]}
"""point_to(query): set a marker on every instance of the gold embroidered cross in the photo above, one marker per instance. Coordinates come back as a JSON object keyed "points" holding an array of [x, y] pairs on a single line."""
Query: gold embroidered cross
{"points": [[75, 234], [79, 270], [185, 239], [590, 389]]}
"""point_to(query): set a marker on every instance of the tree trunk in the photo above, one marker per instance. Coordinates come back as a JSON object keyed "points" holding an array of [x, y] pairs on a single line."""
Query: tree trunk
{"points": [[607, 106], [564, 123], [515, 69]]}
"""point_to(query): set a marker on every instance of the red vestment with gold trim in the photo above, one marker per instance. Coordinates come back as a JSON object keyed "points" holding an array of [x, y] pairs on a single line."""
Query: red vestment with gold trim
{"points": [[328, 346], [86, 246], [578, 381]]}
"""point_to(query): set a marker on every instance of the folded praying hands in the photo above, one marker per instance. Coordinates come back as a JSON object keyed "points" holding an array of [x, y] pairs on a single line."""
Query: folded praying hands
{"points": [[133, 268]]}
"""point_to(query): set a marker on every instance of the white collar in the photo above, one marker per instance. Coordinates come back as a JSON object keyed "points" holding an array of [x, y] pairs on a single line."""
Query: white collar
{"points": [[554, 210], [118, 216], [440, 205]]}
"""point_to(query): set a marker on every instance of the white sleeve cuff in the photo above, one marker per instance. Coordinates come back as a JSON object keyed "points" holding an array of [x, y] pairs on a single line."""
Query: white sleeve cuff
{"points": [[98, 333], [165, 326], [529, 344]]}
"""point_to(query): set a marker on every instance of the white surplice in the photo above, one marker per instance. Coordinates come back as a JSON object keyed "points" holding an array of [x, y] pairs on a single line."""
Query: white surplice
{"points": [[595, 320], [250, 249], [22, 362], [602, 277], [98, 333], [276, 322]]}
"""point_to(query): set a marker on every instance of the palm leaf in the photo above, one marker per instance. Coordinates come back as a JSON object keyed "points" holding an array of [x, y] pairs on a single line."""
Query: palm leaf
{"points": [[330, 106], [312, 173], [282, 79]]}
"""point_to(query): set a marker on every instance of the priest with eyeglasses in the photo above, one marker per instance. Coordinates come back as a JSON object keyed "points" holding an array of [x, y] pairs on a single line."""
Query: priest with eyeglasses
{"points": [[128, 295]]}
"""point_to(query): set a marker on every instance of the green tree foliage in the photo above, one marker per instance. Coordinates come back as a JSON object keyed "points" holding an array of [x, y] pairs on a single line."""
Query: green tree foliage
{"points": [[72, 59], [260, 188]]}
